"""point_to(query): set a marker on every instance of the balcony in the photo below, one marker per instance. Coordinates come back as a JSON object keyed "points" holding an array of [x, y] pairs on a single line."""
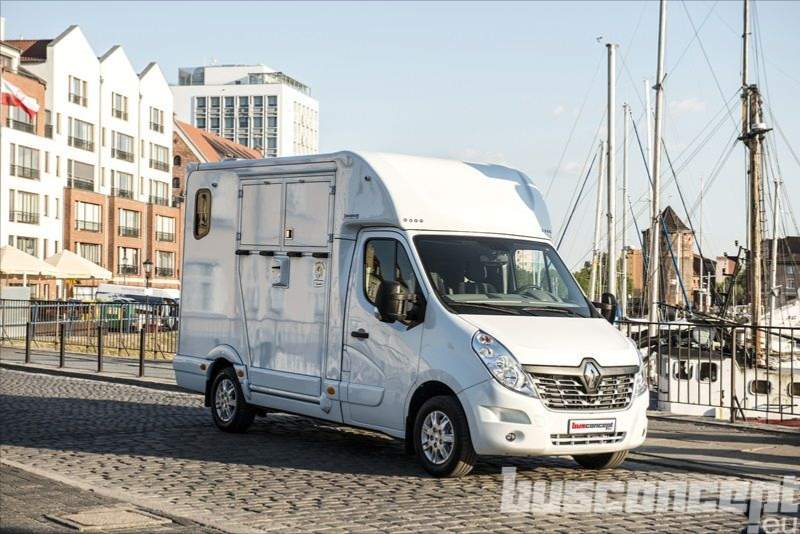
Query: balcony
{"points": [[165, 272], [159, 165], [27, 217], [161, 201], [88, 226], [19, 125], [83, 144], [77, 99], [121, 154], [80, 183], [165, 236], [127, 269], [128, 231], [156, 127], [121, 192], [24, 172], [48, 131], [119, 114]]}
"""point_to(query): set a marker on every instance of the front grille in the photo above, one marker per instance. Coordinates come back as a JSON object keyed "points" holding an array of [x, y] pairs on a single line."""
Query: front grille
{"points": [[567, 392], [597, 438]]}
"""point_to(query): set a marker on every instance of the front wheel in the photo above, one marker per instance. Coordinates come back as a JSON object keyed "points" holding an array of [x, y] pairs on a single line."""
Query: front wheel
{"points": [[441, 438], [228, 408], [608, 460]]}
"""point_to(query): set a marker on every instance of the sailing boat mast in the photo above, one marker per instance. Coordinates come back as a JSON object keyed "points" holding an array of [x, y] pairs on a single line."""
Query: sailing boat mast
{"points": [[655, 210], [611, 254], [773, 266], [623, 290], [597, 217]]}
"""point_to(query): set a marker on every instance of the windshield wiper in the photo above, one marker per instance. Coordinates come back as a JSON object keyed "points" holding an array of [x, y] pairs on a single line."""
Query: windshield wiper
{"points": [[493, 307], [557, 309]]}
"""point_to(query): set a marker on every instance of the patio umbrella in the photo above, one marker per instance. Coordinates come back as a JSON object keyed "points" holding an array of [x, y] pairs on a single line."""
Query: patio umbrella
{"points": [[72, 266], [13, 261]]}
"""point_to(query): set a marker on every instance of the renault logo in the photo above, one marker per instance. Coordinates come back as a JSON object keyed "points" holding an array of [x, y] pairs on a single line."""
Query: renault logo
{"points": [[591, 376]]}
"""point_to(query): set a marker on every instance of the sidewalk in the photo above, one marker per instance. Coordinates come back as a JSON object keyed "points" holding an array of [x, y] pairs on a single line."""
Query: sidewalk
{"points": [[748, 450]]}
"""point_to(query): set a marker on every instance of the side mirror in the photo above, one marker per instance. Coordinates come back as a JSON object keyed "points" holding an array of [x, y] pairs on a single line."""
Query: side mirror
{"points": [[394, 302], [608, 307]]}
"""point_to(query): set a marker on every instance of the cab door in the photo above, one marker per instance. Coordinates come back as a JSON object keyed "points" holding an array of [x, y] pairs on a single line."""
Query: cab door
{"points": [[380, 361]]}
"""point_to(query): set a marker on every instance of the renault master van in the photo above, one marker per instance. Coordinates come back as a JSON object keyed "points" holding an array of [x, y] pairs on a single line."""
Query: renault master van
{"points": [[418, 297]]}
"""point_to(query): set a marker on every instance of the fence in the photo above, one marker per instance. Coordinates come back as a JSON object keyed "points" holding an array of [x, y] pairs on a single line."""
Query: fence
{"points": [[707, 368], [147, 331]]}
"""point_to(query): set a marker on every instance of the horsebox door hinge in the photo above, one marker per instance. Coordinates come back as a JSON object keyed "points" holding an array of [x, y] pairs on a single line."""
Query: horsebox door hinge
{"points": [[241, 193]]}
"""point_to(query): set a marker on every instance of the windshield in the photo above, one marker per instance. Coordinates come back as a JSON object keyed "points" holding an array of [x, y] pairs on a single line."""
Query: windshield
{"points": [[487, 275]]}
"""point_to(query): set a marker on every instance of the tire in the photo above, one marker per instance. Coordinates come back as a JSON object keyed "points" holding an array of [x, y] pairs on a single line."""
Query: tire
{"points": [[608, 460], [439, 420], [228, 408]]}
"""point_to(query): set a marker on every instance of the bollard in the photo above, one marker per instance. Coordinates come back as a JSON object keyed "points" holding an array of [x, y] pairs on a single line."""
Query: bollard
{"points": [[141, 352], [733, 375], [99, 348], [62, 329], [28, 332]]}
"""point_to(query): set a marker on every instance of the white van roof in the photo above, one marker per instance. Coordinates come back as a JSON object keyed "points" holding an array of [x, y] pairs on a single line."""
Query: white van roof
{"points": [[420, 193]]}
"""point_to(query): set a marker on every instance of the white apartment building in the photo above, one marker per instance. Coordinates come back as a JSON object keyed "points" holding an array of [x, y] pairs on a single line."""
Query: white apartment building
{"points": [[107, 164], [252, 105]]}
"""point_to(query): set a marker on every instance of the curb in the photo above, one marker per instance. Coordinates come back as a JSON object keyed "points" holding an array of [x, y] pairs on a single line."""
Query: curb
{"points": [[753, 427], [689, 465], [151, 383]]}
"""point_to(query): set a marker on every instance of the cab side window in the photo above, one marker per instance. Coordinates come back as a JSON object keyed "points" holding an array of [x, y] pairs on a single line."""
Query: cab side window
{"points": [[386, 259]]}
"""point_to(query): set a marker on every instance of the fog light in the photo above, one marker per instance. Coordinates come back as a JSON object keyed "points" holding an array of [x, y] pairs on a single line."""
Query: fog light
{"points": [[511, 437]]}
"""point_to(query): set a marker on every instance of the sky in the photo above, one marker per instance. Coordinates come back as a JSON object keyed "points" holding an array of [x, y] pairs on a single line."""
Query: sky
{"points": [[520, 84]]}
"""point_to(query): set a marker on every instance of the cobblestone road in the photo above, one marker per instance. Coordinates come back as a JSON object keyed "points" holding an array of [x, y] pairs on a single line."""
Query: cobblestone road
{"points": [[160, 450]]}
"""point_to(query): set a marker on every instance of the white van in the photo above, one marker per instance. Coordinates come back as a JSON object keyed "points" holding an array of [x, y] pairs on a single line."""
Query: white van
{"points": [[417, 297]]}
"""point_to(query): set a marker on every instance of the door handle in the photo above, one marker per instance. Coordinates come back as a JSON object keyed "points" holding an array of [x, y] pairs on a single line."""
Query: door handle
{"points": [[360, 334]]}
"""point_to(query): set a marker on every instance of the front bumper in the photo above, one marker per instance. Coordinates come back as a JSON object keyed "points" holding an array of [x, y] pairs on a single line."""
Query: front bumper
{"points": [[495, 412]]}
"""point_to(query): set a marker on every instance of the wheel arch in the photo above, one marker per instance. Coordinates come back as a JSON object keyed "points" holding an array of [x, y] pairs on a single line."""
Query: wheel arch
{"points": [[423, 392], [221, 357]]}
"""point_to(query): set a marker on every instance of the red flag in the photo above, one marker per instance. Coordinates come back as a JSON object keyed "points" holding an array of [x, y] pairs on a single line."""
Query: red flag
{"points": [[13, 96]]}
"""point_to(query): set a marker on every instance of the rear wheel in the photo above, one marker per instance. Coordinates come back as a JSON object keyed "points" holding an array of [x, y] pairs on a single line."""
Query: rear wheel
{"points": [[441, 438], [608, 460], [228, 408]]}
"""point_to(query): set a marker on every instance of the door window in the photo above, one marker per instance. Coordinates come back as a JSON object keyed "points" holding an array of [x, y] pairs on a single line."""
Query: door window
{"points": [[386, 259]]}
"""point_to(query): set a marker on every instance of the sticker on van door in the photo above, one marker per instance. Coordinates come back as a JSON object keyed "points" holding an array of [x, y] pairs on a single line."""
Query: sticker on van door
{"points": [[318, 274]]}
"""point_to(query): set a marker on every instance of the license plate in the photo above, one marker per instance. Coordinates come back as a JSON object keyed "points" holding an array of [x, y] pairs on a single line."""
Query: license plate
{"points": [[591, 426]]}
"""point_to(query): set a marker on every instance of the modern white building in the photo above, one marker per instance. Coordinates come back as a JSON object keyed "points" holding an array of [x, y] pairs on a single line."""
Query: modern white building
{"points": [[107, 162], [252, 105]]}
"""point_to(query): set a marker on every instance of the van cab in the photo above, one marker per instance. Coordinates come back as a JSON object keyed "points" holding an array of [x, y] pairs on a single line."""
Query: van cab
{"points": [[418, 297]]}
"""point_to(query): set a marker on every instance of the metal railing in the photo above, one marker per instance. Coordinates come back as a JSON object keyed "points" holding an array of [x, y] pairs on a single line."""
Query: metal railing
{"points": [[80, 183], [77, 99], [88, 226], [127, 269], [119, 332], [19, 125], [128, 231], [165, 272], [27, 217], [157, 127], [161, 201], [121, 154], [48, 131], [165, 236], [119, 114], [83, 144], [24, 172], [715, 369], [159, 165], [121, 192]]}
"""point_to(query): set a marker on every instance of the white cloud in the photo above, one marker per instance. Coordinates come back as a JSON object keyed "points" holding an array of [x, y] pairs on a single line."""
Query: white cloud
{"points": [[558, 110], [477, 155], [687, 105]]}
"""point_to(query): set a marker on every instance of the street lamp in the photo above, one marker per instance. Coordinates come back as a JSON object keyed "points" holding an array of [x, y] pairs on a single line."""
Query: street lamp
{"points": [[148, 272]]}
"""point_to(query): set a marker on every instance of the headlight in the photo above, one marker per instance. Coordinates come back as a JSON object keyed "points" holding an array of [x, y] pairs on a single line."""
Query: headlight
{"points": [[640, 381], [502, 364]]}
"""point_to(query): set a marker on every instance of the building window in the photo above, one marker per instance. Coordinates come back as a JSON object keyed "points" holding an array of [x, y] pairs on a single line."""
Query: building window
{"points": [[272, 122], [200, 122], [258, 102], [760, 387], [159, 157], [46, 205], [122, 146], [19, 120], [708, 372], [89, 251], [28, 245], [24, 161], [791, 277], [159, 193], [119, 106], [244, 121], [121, 184], [214, 102], [58, 166], [6, 62], [228, 123], [23, 209], [165, 228], [77, 91], [87, 217], [81, 134], [228, 102], [215, 124], [200, 103], [176, 182], [128, 223], [128, 260], [165, 264], [80, 175], [272, 101], [243, 141], [156, 120]]}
